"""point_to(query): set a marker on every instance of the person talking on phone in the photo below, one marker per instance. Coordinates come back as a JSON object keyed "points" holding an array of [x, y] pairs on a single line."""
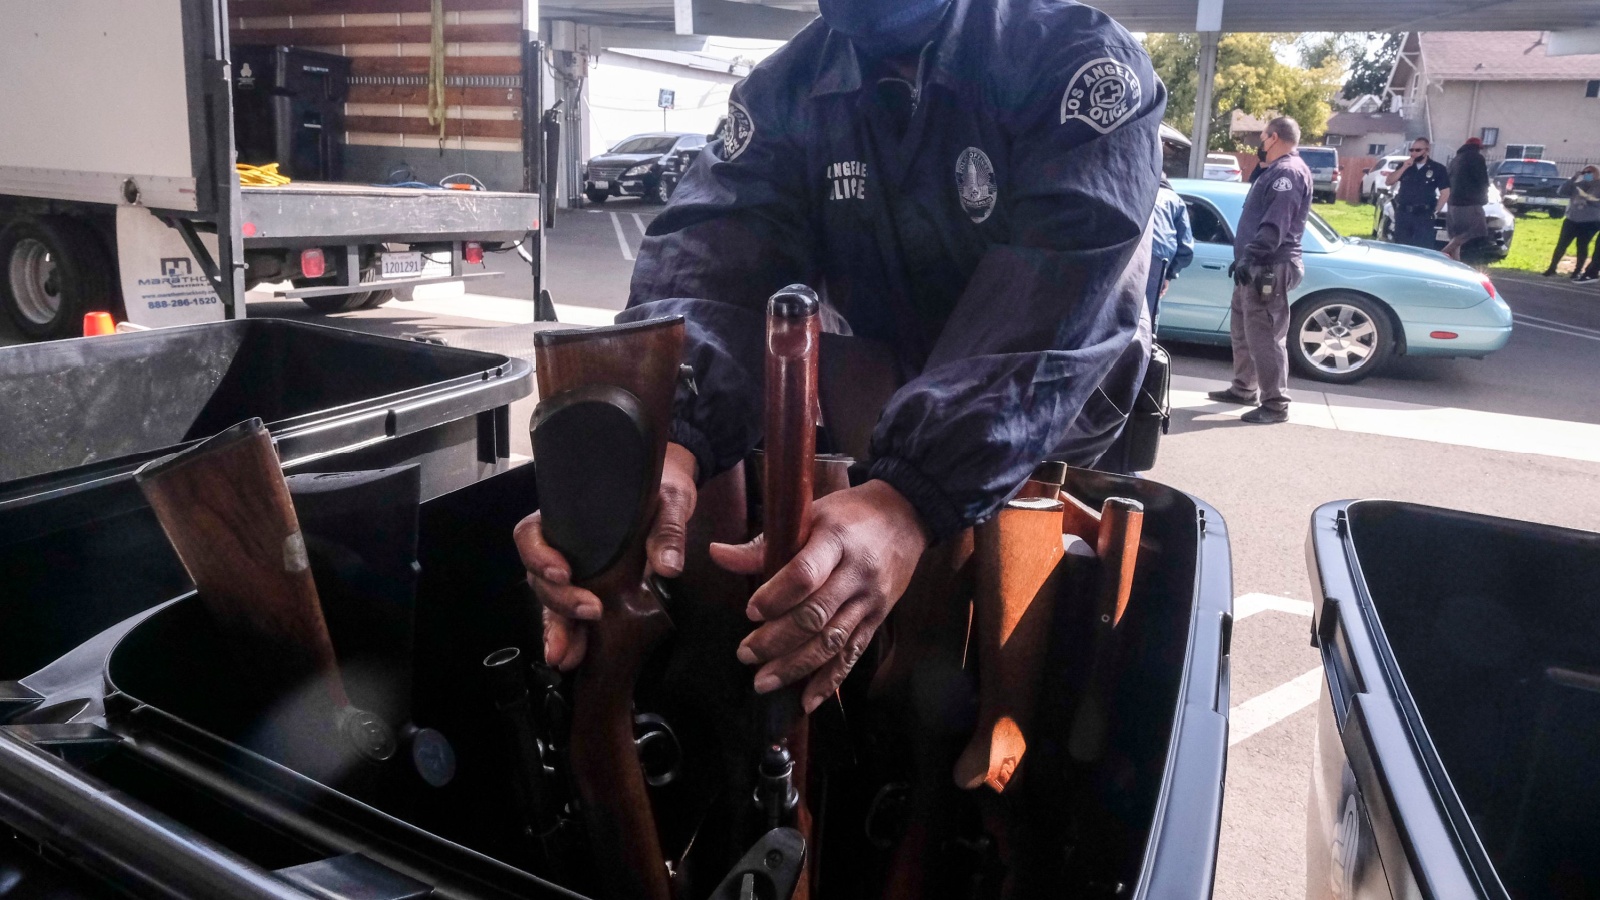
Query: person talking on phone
{"points": [[1581, 224], [1266, 267], [1424, 190]]}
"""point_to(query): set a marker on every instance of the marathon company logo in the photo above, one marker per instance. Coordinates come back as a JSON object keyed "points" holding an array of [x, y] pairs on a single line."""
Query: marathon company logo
{"points": [[176, 271], [975, 183], [847, 180], [741, 130], [1104, 93]]}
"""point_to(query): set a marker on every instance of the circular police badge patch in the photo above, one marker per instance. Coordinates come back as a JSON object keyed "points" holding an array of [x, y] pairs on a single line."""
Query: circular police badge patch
{"points": [[1104, 93], [975, 183], [1283, 184], [738, 132]]}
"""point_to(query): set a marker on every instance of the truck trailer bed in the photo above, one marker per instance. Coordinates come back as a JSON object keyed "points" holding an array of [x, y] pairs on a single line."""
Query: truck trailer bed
{"points": [[311, 212]]}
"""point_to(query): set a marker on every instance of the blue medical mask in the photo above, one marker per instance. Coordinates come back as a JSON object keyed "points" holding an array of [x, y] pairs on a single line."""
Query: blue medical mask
{"points": [[884, 27], [1588, 176]]}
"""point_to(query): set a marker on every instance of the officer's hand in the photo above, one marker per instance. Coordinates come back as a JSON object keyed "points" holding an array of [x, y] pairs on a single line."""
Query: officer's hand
{"points": [[566, 606], [821, 610], [1241, 273], [1164, 285]]}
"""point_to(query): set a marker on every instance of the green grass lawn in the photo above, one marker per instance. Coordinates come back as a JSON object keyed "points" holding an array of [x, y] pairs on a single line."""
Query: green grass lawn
{"points": [[1530, 248]]}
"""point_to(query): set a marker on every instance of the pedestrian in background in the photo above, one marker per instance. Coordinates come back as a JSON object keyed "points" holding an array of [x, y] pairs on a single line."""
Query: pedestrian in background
{"points": [[1266, 267], [1581, 224], [1469, 191], [1424, 190], [1172, 245]]}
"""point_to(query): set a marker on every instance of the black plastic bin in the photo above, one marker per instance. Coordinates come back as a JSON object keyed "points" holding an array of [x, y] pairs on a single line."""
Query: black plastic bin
{"points": [[1459, 728], [164, 736], [80, 549]]}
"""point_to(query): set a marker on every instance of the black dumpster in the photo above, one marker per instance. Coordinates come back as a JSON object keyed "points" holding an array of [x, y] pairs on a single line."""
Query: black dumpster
{"points": [[1458, 744], [80, 549], [148, 705]]}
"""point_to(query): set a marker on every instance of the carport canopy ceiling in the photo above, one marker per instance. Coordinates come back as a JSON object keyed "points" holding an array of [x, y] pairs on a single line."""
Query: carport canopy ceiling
{"points": [[780, 20]]}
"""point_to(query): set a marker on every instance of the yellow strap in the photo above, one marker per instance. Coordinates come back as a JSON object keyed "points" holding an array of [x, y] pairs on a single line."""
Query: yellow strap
{"points": [[436, 103]]}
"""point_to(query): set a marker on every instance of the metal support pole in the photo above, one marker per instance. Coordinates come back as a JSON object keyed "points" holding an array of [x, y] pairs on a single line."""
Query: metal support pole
{"points": [[1204, 102], [533, 165]]}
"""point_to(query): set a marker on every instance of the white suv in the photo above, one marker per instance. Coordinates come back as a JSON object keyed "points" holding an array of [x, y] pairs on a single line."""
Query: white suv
{"points": [[1373, 181]]}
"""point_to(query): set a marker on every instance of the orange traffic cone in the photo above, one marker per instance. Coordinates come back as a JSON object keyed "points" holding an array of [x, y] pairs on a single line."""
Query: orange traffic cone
{"points": [[98, 323]]}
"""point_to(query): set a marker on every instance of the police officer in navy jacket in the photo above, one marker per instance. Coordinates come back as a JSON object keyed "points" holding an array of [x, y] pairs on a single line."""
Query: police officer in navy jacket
{"points": [[1424, 189], [967, 181]]}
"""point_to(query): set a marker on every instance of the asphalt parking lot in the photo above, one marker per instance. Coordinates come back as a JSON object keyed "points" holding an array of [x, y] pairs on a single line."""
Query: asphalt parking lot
{"points": [[1517, 435]]}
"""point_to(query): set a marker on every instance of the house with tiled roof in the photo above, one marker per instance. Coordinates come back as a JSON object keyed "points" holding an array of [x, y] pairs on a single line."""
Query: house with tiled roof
{"points": [[1503, 87]]}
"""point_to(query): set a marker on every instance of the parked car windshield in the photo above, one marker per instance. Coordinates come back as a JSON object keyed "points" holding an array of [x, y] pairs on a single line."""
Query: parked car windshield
{"points": [[1317, 158], [1528, 167], [645, 145]]}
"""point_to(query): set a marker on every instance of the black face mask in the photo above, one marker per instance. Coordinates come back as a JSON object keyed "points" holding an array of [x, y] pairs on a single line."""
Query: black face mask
{"points": [[1261, 154], [884, 27]]}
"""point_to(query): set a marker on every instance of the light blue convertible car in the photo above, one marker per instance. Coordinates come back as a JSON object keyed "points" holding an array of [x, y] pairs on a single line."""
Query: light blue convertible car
{"points": [[1361, 304]]}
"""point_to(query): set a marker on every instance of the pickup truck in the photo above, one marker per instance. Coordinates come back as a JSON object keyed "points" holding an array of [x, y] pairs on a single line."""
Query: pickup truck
{"points": [[1530, 184]]}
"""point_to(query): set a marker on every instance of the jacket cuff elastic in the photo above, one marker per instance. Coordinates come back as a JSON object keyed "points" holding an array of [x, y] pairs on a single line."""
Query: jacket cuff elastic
{"points": [[939, 516], [695, 441]]}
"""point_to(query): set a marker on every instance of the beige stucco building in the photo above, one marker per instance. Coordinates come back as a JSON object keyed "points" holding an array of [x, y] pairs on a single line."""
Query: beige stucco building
{"points": [[1502, 87]]}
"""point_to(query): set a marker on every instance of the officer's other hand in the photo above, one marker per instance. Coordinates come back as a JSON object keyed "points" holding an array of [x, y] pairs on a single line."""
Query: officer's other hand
{"points": [[567, 606], [821, 610]]}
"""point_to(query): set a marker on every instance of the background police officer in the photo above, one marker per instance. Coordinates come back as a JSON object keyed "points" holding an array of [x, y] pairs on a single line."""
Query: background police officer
{"points": [[1266, 267], [1003, 158], [1424, 190]]}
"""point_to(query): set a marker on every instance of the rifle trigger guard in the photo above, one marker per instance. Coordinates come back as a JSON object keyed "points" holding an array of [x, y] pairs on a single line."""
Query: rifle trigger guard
{"points": [[886, 816], [660, 754]]}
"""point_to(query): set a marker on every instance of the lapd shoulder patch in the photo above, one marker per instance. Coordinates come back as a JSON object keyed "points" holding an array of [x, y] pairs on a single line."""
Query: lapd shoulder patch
{"points": [[975, 183], [1103, 93], [738, 132], [1283, 184]]}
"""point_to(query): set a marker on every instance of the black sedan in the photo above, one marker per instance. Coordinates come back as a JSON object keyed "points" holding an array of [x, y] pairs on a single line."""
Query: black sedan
{"points": [[633, 167]]}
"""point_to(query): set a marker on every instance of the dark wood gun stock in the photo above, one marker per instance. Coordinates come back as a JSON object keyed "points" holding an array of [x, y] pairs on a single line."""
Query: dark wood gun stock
{"points": [[642, 361], [1017, 554], [1121, 525], [226, 509]]}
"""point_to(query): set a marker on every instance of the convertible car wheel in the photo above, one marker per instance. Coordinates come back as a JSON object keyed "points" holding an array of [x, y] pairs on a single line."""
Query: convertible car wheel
{"points": [[1339, 337]]}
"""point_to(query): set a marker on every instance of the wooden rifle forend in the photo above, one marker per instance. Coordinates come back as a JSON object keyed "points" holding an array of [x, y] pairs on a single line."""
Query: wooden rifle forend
{"points": [[1121, 526], [794, 317], [1017, 554], [600, 436]]}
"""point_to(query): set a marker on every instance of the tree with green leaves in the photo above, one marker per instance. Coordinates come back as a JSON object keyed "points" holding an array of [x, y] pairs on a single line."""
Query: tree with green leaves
{"points": [[1250, 77], [1371, 64]]}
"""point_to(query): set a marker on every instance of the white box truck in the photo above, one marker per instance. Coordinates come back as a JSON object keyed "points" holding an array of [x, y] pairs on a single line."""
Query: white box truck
{"points": [[118, 188]]}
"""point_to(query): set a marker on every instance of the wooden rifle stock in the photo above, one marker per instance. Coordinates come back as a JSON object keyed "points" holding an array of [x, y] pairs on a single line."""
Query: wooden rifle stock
{"points": [[1018, 553], [226, 509], [600, 436], [1121, 525]]}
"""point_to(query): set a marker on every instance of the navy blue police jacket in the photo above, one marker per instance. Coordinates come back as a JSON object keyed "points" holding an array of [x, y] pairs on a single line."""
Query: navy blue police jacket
{"points": [[1273, 219], [991, 243]]}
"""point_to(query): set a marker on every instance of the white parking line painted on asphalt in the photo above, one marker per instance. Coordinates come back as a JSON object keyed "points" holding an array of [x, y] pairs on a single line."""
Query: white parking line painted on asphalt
{"points": [[639, 222], [622, 239], [1266, 710], [1583, 328], [1247, 605], [1568, 330], [1390, 418]]}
